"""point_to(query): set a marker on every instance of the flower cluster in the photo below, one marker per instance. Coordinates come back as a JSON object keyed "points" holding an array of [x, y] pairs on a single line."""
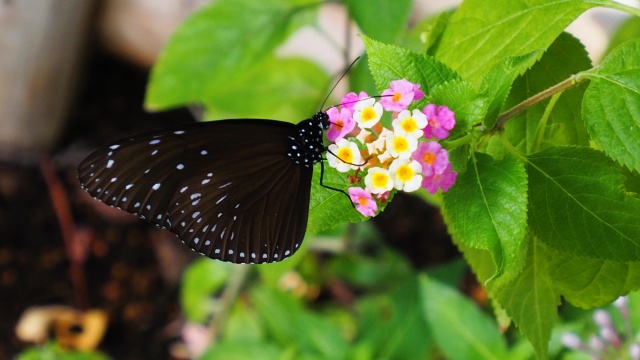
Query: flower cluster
{"points": [[404, 156], [611, 341]]}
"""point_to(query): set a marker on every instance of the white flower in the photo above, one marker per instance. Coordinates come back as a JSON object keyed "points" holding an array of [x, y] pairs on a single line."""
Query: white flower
{"points": [[401, 146], [378, 181], [348, 155], [410, 123], [406, 174], [367, 113]]}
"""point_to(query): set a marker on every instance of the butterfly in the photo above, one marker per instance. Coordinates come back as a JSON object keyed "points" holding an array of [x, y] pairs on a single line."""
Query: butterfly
{"points": [[233, 190]]}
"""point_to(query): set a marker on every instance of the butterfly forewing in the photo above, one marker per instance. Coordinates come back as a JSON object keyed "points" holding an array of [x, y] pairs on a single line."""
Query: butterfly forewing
{"points": [[226, 188]]}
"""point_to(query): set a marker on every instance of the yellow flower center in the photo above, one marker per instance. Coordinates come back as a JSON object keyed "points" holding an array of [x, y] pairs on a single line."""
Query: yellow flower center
{"points": [[400, 144], [405, 173], [345, 154], [380, 180], [429, 158], [397, 97], [363, 201], [368, 114], [409, 125]]}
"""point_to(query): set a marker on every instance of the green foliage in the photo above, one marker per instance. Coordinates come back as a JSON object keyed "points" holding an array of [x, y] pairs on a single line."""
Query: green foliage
{"points": [[546, 146], [459, 327], [51, 350]]}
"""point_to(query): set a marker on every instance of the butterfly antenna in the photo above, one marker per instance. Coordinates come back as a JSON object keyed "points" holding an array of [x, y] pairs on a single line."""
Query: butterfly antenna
{"points": [[338, 82]]}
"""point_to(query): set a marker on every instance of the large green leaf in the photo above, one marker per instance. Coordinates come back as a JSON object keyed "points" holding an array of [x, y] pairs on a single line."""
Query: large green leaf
{"points": [[293, 326], [577, 204], [478, 36], [611, 105], [214, 45], [531, 300], [461, 330], [589, 283], [382, 20], [487, 209], [299, 86], [392, 325]]}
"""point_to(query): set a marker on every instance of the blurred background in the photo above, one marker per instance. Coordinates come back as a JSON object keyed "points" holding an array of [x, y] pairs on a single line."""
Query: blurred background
{"points": [[72, 77]]}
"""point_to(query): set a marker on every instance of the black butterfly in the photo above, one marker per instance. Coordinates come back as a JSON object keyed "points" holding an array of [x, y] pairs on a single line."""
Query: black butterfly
{"points": [[233, 190]]}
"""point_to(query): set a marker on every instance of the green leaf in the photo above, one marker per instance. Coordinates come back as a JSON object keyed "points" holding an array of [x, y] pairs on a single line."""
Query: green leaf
{"points": [[479, 36], [530, 299], [611, 105], [215, 44], [243, 324], [389, 62], [487, 209], [392, 325], [300, 86], [590, 283], [291, 325], [577, 204], [200, 281], [382, 20], [329, 207], [463, 99], [52, 350], [497, 83], [241, 350], [460, 329]]}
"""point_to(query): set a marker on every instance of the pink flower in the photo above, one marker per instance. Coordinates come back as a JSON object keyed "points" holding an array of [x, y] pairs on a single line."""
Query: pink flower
{"points": [[401, 94], [433, 158], [341, 123], [444, 180], [441, 119], [363, 200], [351, 99]]}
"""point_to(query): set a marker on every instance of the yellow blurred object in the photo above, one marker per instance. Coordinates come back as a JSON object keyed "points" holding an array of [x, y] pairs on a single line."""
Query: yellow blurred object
{"points": [[72, 328]]}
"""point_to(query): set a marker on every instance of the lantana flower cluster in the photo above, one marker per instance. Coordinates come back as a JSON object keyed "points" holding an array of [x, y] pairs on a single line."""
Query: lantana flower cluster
{"points": [[380, 160]]}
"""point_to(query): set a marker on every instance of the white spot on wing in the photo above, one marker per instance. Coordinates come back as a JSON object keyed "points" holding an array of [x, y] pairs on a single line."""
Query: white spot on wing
{"points": [[113, 147], [110, 164], [153, 142], [156, 186]]}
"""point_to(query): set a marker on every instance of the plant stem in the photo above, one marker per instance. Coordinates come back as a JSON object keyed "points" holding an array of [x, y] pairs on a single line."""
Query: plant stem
{"points": [[229, 295], [505, 116]]}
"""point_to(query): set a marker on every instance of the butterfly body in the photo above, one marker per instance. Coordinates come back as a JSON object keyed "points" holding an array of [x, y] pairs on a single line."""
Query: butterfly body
{"points": [[233, 190]]}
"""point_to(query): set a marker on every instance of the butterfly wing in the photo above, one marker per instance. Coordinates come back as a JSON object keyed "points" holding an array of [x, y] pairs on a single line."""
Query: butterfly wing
{"points": [[226, 188]]}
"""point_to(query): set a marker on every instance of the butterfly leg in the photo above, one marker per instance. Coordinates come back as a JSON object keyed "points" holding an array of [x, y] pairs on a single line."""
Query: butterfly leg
{"points": [[332, 188]]}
